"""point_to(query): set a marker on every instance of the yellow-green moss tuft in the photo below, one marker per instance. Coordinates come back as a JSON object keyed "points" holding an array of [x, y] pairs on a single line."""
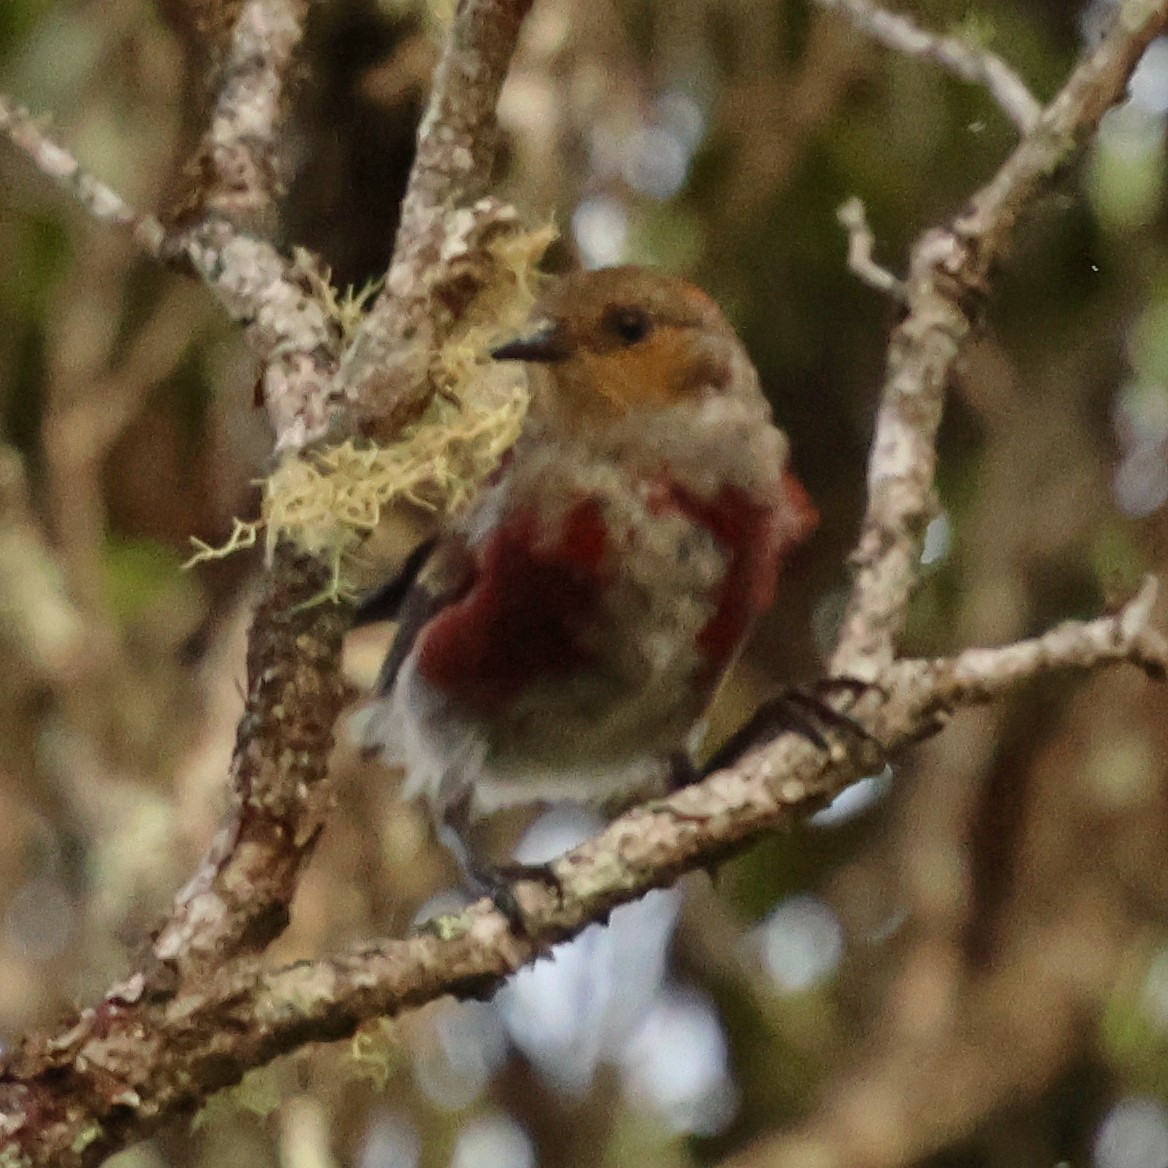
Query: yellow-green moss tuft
{"points": [[328, 500]]}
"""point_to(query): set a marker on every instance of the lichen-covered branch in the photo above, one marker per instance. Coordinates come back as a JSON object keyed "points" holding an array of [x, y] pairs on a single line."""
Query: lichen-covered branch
{"points": [[150, 1050], [224, 226], [447, 222], [947, 282], [457, 137], [239, 160], [238, 899], [56, 163]]}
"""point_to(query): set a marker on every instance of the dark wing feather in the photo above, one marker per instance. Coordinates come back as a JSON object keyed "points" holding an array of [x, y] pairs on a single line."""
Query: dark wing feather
{"points": [[442, 575], [384, 603]]}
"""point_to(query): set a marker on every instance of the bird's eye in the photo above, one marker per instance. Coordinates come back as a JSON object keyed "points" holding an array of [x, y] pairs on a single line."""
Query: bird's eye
{"points": [[629, 324]]}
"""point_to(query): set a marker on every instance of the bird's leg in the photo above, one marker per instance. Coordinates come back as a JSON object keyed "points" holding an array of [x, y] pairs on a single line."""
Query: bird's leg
{"points": [[801, 710], [454, 830], [452, 824]]}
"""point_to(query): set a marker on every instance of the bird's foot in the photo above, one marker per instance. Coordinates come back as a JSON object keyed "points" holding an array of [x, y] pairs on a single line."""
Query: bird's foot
{"points": [[814, 700], [804, 710], [498, 882]]}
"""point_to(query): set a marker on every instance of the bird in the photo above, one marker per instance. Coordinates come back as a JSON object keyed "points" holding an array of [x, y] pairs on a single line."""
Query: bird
{"points": [[562, 638]]}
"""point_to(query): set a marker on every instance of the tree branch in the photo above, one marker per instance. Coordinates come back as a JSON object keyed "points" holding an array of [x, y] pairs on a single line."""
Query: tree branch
{"points": [[972, 64], [239, 160], [224, 226], [948, 280], [144, 1054], [446, 222], [238, 899]]}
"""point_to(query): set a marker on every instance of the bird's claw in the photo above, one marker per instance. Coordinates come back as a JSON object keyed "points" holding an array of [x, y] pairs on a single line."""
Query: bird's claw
{"points": [[543, 874], [802, 710], [813, 699], [497, 883]]}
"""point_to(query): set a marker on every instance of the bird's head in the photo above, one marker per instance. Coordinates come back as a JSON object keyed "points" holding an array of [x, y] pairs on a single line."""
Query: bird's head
{"points": [[626, 341]]}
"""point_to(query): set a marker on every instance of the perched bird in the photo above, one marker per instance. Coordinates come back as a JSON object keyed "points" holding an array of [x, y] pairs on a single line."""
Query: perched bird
{"points": [[562, 638]]}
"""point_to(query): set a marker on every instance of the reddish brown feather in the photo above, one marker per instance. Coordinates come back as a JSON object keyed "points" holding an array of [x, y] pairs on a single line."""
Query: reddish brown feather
{"points": [[531, 599], [754, 539], [522, 617]]}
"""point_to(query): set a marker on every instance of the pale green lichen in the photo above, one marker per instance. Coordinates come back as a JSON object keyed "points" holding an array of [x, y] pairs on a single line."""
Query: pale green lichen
{"points": [[345, 308], [328, 500], [376, 1053], [85, 1137], [257, 1093], [243, 535]]}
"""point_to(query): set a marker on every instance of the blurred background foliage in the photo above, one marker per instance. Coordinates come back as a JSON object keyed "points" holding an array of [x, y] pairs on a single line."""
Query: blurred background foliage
{"points": [[962, 964]]}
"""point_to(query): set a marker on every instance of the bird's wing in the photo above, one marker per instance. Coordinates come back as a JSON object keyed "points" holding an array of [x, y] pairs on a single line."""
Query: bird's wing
{"points": [[435, 574], [384, 602]]}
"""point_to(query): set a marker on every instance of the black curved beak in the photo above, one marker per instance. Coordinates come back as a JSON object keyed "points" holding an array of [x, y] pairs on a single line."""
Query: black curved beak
{"points": [[546, 345]]}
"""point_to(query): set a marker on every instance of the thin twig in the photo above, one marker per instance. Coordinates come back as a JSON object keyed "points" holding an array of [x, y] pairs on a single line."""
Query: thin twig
{"points": [[55, 162], [861, 243], [979, 66]]}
